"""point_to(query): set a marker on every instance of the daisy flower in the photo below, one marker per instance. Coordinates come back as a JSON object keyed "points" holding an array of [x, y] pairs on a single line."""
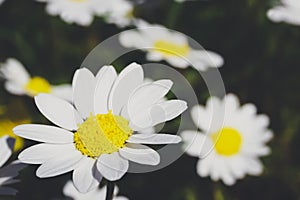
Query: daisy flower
{"points": [[288, 11], [10, 171], [19, 82], [119, 12], [161, 43], [6, 128], [229, 145], [80, 12], [97, 194], [98, 133]]}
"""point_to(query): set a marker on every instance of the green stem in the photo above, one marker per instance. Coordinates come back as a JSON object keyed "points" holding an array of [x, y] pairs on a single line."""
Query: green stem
{"points": [[110, 187], [173, 14], [218, 194]]}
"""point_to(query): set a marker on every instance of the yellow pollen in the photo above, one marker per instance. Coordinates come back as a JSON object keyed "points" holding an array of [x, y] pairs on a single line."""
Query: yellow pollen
{"points": [[168, 48], [130, 14], [37, 85], [6, 127], [102, 134], [227, 141]]}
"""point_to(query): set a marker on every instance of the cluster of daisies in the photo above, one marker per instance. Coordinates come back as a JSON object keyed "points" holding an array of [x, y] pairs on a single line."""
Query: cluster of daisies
{"points": [[102, 128], [104, 121]]}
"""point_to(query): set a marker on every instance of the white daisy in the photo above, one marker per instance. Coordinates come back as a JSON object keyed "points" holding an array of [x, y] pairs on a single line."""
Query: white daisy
{"points": [[97, 194], [161, 43], [98, 134], [19, 82], [288, 11], [10, 171], [232, 140], [80, 12], [120, 12]]}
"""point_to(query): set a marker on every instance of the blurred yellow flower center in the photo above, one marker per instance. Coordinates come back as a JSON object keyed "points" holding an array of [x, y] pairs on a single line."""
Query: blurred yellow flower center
{"points": [[227, 141], [129, 14], [168, 48], [6, 127], [102, 134], [37, 85]]}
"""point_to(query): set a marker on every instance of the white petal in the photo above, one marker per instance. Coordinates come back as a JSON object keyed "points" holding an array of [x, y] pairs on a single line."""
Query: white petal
{"points": [[14, 72], [196, 144], [112, 166], [146, 95], [140, 154], [127, 81], [141, 138], [84, 175], [158, 113], [58, 111], [44, 133], [14, 88], [6, 145], [231, 103], [63, 91], [40, 153], [201, 59], [105, 79], [84, 83], [63, 163], [254, 166], [204, 166]]}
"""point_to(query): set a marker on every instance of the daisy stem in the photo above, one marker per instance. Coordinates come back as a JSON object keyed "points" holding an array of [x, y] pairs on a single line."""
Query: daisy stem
{"points": [[110, 190], [218, 194], [173, 14]]}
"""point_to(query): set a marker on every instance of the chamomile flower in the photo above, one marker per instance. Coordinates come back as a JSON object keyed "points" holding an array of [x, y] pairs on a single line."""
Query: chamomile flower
{"points": [[161, 43], [231, 140], [6, 128], [98, 133], [19, 82], [97, 194], [80, 12], [288, 11], [120, 12], [10, 171]]}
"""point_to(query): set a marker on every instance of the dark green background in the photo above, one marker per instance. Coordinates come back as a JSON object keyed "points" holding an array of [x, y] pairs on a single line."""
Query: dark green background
{"points": [[262, 64]]}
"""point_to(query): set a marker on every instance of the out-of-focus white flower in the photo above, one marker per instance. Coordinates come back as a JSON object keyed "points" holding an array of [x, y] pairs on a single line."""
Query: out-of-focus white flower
{"points": [[99, 131], [8, 172], [288, 11], [80, 12], [1, 1], [19, 82], [97, 194], [161, 43], [232, 139], [120, 12]]}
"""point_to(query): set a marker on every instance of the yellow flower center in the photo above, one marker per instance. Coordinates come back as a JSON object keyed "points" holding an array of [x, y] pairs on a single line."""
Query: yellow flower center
{"points": [[37, 85], [6, 127], [102, 134], [130, 14], [227, 141], [168, 48]]}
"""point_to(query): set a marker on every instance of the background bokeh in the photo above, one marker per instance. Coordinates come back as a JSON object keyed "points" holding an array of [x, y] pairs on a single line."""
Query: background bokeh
{"points": [[262, 66]]}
